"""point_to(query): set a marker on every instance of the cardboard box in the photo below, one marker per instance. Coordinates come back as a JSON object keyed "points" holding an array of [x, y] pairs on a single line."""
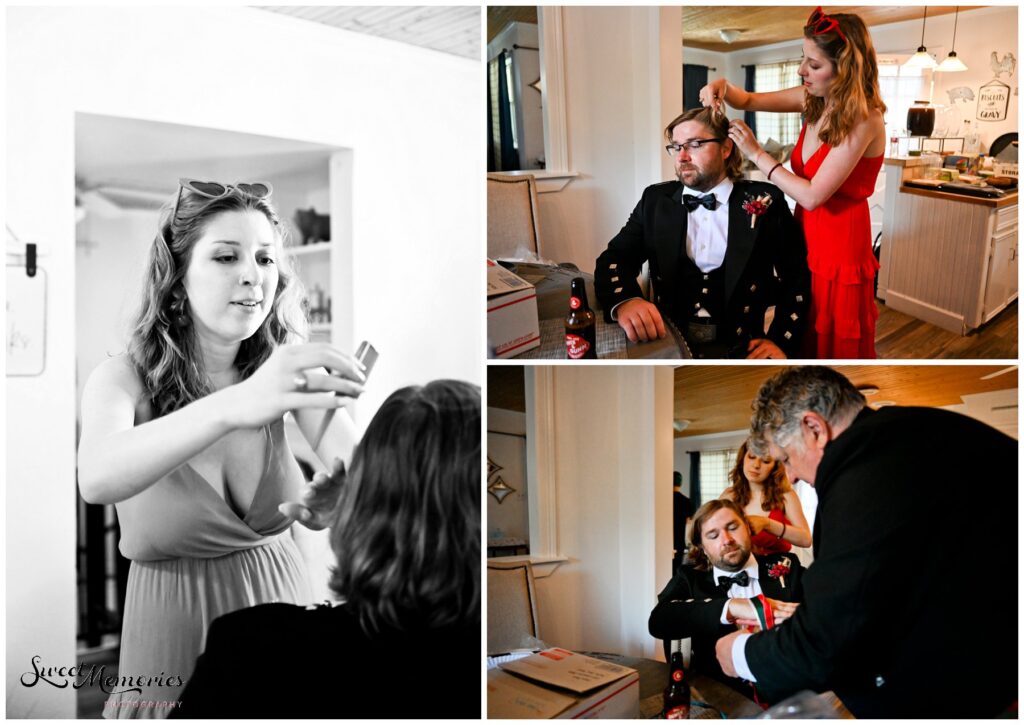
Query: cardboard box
{"points": [[512, 323], [557, 683]]}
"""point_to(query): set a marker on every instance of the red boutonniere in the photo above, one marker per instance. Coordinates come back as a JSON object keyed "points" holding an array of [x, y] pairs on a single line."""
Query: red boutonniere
{"points": [[780, 570], [756, 206]]}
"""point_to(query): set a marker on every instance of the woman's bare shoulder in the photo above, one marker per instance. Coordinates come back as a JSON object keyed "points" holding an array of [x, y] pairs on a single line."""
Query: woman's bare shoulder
{"points": [[117, 372]]}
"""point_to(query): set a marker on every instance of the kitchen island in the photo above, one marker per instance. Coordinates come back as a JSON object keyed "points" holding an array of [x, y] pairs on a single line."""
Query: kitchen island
{"points": [[947, 259]]}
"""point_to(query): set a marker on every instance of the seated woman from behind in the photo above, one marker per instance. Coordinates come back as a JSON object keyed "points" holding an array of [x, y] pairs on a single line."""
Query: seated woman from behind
{"points": [[403, 641]]}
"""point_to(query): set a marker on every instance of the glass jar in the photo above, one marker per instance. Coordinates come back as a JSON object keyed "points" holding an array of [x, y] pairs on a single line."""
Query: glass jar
{"points": [[920, 119]]}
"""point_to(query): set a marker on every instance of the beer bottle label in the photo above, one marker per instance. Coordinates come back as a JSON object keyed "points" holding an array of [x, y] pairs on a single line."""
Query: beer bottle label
{"points": [[679, 712], [677, 675], [574, 303], [576, 346]]}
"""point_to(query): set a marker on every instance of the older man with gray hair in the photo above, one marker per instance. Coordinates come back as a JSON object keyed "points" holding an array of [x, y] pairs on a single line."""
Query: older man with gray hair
{"points": [[895, 618]]}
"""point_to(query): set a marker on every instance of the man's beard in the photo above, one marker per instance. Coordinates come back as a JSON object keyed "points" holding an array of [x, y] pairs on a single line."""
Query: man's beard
{"points": [[726, 566], [702, 180]]}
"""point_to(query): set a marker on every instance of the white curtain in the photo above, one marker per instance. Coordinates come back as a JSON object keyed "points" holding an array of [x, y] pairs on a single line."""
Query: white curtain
{"points": [[782, 127]]}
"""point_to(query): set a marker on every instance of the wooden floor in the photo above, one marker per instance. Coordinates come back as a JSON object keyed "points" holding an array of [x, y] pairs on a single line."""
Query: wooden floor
{"points": [[900, 336]]}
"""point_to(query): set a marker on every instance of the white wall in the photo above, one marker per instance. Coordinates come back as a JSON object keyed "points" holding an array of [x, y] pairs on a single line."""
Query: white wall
{"points": [[416, 225], [623, 80], [613, 428], [979, 33]]}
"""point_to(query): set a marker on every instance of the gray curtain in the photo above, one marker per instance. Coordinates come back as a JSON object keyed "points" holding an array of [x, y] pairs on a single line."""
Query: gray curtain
{"points": [[695, 77], [749, 116]]}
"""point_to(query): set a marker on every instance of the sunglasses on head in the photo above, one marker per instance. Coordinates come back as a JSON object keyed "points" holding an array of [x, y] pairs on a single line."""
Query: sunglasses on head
{"points": [[820, 23], [216, 190]]}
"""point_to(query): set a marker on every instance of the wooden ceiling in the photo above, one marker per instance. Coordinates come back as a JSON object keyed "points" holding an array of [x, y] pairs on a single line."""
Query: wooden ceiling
{"points": [[717, 398], [506, 388], [764, 25], [499, 17], [759, 25]]}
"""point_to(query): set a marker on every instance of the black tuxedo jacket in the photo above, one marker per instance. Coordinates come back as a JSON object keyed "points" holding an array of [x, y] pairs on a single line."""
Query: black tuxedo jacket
{"points": [[691, 606], [764, 266], [910, 608], [284, 661]]}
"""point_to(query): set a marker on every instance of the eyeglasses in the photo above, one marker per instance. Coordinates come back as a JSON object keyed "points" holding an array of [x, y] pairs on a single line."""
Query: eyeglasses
{"points": [[820, 23], [215, 190], [674, 148]]}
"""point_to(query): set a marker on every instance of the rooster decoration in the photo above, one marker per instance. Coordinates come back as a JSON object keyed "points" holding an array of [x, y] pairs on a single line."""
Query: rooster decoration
{"points": [[1006, 65]]}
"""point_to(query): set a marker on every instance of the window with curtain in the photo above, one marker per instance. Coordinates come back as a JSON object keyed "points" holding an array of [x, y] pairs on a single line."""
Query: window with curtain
{"points": [[783, 127], [900, 88], [714, 473]]}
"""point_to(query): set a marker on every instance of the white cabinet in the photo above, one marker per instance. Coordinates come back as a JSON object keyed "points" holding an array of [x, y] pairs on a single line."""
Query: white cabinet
{"points": [[946, 259], [1001, 285]]}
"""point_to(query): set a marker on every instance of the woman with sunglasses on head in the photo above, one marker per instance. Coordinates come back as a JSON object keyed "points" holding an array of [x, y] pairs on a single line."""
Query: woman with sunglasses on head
{"points": [[184, 433], [835, 165]]}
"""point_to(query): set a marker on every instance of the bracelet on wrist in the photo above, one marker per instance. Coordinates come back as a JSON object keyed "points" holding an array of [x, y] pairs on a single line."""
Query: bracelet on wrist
{"points": [[769, 179]]}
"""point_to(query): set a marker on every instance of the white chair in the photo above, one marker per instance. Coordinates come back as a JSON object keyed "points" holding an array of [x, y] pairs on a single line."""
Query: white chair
{"points": [[511, 606], [513, 224]]}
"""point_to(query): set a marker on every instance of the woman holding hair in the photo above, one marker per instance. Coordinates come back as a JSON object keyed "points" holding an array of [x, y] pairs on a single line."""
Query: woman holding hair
{"points": [[403, 641], [759, 487], [835, 165], [184, 434]]}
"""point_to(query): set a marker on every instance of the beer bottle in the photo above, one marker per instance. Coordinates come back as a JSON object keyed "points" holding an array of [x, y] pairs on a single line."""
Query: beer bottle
{"points": [[580, 325], [677, 695]]}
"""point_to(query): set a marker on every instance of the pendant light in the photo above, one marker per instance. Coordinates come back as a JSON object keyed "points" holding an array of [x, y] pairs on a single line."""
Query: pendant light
{"points": [[952, 64], [921, 59]]}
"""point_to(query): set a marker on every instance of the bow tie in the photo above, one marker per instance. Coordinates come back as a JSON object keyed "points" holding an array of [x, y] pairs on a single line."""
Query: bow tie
{"points": [[691, 202], [743, 579]]}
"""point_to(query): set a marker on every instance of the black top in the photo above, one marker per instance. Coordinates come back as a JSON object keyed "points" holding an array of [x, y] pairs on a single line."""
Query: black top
{"points": [[897, 617], [285, 661], [682, 509]]}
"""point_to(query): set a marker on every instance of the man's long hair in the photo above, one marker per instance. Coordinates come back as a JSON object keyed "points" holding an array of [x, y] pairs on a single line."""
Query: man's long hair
{"points": [[407, 529], [709, 509], [717, 125]]}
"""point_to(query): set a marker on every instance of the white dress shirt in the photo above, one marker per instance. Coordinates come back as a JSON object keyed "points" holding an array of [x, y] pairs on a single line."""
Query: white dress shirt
{"points": [[752, 589], [707, 230]]}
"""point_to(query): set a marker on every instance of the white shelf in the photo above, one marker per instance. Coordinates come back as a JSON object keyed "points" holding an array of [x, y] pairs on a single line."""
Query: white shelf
{"points": [[308, 249]]}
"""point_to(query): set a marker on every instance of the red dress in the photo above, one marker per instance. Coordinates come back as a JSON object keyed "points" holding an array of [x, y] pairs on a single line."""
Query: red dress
{"points": [[764, 543], [838, 233]]}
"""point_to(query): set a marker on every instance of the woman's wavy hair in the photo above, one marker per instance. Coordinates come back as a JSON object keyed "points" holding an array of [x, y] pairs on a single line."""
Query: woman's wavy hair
{"points": [[718, 125], [854, 92], [164, 354], [709, 509], [406, 532], [773, 488]]}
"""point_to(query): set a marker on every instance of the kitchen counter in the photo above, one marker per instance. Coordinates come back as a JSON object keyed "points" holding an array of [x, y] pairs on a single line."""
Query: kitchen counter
{"points": [[948, 259], [1009, 200]]}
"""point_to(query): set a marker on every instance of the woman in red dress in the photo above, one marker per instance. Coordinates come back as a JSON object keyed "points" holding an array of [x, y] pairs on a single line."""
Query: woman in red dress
{"points": [[773, 509], [835, 164]]}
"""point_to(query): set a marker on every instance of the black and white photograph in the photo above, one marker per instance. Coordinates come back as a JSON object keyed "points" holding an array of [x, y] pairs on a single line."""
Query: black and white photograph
{"points": [[243, 361]]}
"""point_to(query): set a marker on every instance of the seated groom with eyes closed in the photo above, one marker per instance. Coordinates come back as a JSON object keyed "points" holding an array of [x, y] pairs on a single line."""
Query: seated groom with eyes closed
{"points": [[722, 250]]}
